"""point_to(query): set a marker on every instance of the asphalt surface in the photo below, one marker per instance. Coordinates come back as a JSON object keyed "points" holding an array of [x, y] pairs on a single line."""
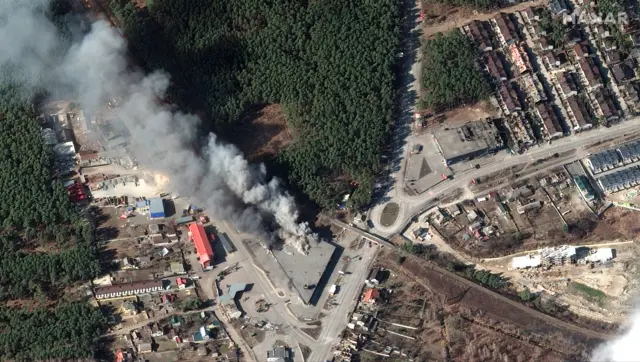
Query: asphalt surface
{"points": [[393, 187]]}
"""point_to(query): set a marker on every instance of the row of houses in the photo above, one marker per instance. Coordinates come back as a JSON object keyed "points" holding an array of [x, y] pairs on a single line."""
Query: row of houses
{"points": [[624, 154]]}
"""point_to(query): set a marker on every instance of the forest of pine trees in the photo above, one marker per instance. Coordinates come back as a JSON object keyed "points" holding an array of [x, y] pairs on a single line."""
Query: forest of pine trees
{"points": [[328, 63]]}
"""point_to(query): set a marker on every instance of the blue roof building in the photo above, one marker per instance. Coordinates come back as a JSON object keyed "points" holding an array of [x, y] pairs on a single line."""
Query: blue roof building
{"points": [[201, 335], [156, 208]]}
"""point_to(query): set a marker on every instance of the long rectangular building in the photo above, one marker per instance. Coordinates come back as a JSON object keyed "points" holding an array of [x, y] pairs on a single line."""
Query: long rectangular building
{"points": [[123, 290], [202, 243]]}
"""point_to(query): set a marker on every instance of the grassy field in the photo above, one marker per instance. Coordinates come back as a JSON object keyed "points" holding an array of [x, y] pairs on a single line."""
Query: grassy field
{"points": [[589, 293]]}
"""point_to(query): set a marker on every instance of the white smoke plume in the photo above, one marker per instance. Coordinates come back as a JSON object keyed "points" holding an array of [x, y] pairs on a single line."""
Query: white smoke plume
{"points": [[94, 70], [623, 349]]}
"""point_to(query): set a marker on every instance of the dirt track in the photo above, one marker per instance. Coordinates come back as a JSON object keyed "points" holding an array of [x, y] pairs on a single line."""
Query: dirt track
{"points": [[463, 19]]}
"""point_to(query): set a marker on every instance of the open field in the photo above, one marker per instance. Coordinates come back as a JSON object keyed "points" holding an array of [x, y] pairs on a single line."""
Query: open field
{"points": [[262, 133]]}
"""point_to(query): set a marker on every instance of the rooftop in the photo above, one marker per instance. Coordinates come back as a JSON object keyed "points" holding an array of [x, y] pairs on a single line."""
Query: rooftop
{"points": [[527, 261], [371, 295], [156, 207], [308, 269], [469, 141], [202, 243], [579, 111], [506, 27], [232, 291], [549, 119], [128, 286], [480, 31], [590, 71], [495, 66]]}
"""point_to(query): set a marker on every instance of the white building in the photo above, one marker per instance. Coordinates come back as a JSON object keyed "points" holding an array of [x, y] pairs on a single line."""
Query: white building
{"points": [[122, 290], [600, 255], [527, 261]]}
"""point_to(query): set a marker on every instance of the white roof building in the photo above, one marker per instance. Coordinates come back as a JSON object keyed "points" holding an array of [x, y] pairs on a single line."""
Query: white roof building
{"points": [[600, 255], [527, 261]]}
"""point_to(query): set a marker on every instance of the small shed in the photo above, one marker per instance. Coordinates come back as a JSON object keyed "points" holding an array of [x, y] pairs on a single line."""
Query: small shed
{"points": [[370, 295]]}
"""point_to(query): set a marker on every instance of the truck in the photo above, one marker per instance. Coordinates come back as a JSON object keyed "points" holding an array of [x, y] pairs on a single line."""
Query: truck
{"points": [[333, 290]]}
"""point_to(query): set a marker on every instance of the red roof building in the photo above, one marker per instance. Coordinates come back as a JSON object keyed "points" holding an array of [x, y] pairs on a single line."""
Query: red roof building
{"points": [[370, 295], [201, 241], [76, 192]]}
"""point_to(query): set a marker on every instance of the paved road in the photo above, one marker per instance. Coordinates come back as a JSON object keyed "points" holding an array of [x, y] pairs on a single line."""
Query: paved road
{"points": [[532, 312], [411, 205], [336, 320]]}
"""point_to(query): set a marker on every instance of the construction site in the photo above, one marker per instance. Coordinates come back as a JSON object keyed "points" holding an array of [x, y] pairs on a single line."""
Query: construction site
{"points": [[596, 281]]}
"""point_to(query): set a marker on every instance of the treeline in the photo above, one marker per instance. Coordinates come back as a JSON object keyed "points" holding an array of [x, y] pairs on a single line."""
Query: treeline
{"points": [[30, 197], [25, 274], [35, 210], [482, 276], [432, 254], [329, 63], [65, 333], [35, 215], [450, 73]]}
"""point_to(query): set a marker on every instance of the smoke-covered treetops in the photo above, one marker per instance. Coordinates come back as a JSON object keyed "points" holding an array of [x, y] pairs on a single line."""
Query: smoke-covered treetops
{"points": [[329, 63]]}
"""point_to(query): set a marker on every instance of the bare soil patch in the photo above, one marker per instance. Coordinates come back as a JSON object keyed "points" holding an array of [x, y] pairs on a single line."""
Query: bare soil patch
{"points": [[306, 352], [312, 332], [389, 214], [139, 4], [440, 18], [462, 115], [262, 133], [448, 319]]}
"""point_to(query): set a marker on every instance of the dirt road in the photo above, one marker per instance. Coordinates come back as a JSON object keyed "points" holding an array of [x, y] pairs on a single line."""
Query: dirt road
{"points": [[462, 18]]}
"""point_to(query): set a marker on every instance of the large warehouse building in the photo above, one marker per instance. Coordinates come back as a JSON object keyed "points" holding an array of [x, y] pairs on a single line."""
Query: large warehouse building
{"points": [[156, 208], [202, 243]]}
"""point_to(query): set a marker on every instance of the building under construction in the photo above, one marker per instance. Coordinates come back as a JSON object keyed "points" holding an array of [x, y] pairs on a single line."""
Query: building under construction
{"points": [[565, 254], [473, 140]]}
